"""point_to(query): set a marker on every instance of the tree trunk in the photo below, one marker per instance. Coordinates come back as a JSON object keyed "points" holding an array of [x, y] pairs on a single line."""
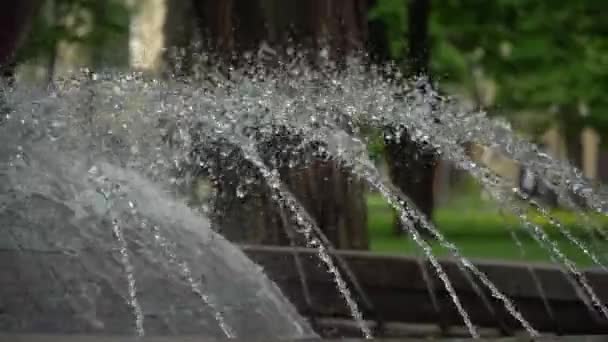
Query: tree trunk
{"points": [[15, 19], [377, 45], [418, 40], [178, 31], [148, 29], [411, 167], [331, 197]]}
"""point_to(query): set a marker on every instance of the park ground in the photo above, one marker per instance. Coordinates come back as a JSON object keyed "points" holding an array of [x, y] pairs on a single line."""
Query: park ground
{"points": [[481, 232]]}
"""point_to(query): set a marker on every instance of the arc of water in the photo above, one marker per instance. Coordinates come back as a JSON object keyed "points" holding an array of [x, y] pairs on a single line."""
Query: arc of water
{"points": [[195, 286], [129, 271], [186, 272], [345, 268], [285, 198], [490, 182], [595, 232], [580, 276], [487, 180], [367, 172], [484, 299], [592, 228], [408, 219], [533, 275], [409, 216], [580, 292], [568, 276], [341, 262], [426, 248], [404, 217], [125, 258], [183, 267], [428, 281], [519, 151], [320, 135], [298, 262], [313, 235], [563, 230]]}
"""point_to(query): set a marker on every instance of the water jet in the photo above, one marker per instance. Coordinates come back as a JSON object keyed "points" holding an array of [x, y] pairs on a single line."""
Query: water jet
{"points": [[97, 235]]}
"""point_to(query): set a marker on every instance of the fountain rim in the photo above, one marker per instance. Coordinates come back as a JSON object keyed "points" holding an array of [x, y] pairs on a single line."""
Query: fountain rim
{"points": [[193, 338]]}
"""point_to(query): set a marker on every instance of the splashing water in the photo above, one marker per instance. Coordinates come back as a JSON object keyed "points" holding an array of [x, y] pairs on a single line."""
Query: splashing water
{"points": [[537, 282], [78, 244], [492, 185], [408, 216], [124, 256], [194, 285], [563, 230], [183, 267], [143, 132], [124, 253], [443, 139], [303, 220]]}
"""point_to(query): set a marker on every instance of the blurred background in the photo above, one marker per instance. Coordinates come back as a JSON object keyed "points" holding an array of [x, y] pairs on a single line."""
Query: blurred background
{"points": [[540, 65]]}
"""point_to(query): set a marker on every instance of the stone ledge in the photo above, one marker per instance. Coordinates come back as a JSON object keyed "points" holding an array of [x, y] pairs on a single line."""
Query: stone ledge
{"points": [[89, 338]]}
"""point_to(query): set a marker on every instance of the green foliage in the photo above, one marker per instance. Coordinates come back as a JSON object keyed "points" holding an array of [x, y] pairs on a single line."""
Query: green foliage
{"points": [[547, 56], [375, 142], [479, 234], [392, 13], [109, 21]]}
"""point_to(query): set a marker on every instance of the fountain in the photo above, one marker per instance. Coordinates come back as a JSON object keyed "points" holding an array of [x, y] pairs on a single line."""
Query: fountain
{"points": [[95, 227], [159, 259], [96, 242]]}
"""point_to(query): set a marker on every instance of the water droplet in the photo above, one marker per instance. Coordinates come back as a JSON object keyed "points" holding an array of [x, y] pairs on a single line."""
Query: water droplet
{"points": [[240, 192]]}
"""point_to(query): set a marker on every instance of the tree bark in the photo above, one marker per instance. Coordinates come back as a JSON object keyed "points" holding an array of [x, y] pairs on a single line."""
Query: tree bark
{"points": [[418, 40], [330, 196], [15, 19], [377, 43], [246, 211], [411, 166]]}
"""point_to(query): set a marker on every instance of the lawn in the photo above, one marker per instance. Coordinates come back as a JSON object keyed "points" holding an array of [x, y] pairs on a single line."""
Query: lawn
{"points": [[480, 232]]}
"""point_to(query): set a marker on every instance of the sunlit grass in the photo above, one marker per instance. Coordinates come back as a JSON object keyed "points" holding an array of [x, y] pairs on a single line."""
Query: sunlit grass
{"points": [[480, 233]]}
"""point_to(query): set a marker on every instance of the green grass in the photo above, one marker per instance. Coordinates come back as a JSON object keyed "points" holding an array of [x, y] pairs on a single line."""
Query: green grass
{"points": [[479, 232]]}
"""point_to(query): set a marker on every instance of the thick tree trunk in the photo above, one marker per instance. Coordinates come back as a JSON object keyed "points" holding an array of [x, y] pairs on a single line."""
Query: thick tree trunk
{"points": [[330, 196], [15, 19], [178, 33], [411, 167], [418, 40], [377, 43], [216, 24], [246, 211]]}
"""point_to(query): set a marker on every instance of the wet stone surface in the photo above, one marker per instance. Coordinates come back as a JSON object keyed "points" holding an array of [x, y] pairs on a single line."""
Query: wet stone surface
{"points": [[62, 271]]}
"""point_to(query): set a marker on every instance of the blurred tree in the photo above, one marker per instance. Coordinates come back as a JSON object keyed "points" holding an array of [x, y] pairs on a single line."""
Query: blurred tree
{"points": [[15, 19], [540, 63], [411, 166], [233, 27], [99, 28], [543, 56]]}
